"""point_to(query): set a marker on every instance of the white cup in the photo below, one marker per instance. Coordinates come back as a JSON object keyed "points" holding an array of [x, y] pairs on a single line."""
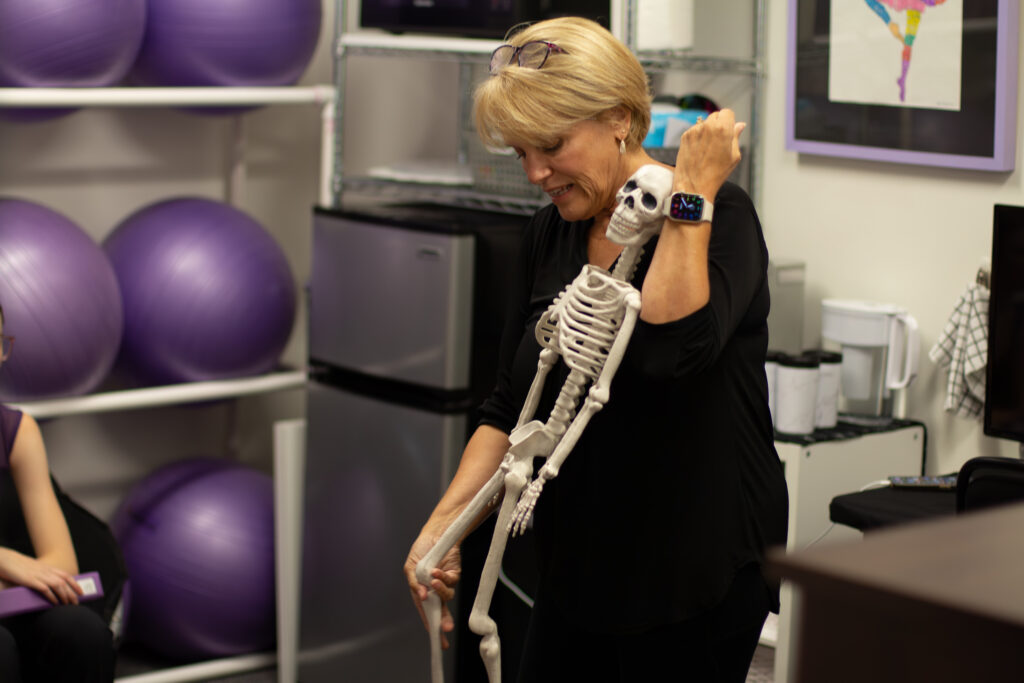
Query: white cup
{"points": [[796, 394]]}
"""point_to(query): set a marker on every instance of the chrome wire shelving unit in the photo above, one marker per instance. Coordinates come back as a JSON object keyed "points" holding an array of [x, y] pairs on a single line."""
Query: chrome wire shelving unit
{"points": [[471, 53]]}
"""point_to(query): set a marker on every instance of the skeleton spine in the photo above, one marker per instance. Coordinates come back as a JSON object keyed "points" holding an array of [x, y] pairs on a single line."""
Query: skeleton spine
{"points": [[565, 405]]}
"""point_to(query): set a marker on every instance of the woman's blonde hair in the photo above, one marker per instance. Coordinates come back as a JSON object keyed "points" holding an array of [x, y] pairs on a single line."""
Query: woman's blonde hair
{"points": [[595, 73]]}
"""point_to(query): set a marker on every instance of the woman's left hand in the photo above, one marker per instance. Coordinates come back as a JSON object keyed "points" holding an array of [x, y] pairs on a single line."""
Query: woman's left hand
{"points": [[708, 152]]}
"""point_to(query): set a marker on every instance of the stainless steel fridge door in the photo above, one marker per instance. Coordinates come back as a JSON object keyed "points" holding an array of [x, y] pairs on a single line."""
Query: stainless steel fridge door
{"points": [[392, 302], [374, 471]]}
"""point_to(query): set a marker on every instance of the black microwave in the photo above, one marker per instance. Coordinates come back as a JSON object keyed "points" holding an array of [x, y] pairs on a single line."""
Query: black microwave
{"points": [[472, 18]]}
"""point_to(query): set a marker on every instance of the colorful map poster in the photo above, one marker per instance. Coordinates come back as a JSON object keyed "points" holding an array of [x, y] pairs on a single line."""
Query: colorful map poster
{"points": [[905, 53]]}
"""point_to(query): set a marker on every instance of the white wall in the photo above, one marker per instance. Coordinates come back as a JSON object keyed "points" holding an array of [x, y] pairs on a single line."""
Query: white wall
{"points": [[929, 230]]}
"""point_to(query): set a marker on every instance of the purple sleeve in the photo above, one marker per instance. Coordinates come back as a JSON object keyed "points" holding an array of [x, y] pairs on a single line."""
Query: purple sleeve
{"points": [[10, 419]]}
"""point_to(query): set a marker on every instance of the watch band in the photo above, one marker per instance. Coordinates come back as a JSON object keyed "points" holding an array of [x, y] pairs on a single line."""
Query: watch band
{"points": [[688, 207]]}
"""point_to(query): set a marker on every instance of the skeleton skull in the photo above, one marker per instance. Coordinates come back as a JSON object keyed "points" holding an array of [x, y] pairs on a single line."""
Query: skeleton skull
{"points": [[638, 215]]}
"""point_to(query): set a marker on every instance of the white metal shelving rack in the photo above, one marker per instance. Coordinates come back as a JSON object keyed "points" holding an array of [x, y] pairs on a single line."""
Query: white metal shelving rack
{"points": [[324, 96], [154, 397], [288, 438]]}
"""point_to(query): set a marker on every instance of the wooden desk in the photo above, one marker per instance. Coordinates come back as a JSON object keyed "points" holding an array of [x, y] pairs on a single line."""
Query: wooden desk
{"points": [[932, 601]]}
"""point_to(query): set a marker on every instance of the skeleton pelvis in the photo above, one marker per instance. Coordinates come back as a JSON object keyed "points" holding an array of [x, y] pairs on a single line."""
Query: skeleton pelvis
{"points": [[531, 440]]}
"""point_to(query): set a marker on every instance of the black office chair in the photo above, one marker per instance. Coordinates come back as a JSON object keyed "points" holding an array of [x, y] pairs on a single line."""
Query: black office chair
{"points": [[986, 481]]}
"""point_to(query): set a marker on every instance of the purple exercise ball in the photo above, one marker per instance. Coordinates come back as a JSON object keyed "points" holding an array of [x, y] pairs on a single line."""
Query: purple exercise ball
{"points": [[198, 542], [227, 43], [207, 292], [67, 44], [61, 302]]}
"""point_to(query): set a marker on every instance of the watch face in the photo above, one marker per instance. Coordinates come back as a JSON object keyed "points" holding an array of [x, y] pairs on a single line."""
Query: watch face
{"points": [[686, 207]]}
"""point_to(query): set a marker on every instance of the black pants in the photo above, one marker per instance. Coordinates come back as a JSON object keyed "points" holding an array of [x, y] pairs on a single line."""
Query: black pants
{"points": [[67, 643], [715, 647]]}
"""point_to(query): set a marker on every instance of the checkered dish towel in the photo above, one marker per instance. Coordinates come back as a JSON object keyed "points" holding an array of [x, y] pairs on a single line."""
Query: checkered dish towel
{"points": [[963, 349]]}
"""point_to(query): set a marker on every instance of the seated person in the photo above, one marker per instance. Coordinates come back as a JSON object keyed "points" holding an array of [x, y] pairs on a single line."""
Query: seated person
{"points": [[67, 642]]}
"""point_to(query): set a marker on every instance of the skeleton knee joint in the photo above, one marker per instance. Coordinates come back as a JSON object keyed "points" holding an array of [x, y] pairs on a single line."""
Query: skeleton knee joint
{"points": [[482, 625]]}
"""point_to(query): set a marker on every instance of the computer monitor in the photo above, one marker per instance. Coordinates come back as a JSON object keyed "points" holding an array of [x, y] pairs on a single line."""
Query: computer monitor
{"points": [[1004, 383]]}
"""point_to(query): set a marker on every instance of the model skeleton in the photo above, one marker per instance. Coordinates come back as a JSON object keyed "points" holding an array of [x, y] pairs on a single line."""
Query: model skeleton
{"points": [[588, 325]]}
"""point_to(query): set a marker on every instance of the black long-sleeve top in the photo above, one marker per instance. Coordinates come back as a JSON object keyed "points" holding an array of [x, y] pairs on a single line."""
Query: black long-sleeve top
{"points": [[675, 484]]}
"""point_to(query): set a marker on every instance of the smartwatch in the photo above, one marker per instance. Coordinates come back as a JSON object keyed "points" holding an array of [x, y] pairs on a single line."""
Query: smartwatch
{"points": [[685, 207]]}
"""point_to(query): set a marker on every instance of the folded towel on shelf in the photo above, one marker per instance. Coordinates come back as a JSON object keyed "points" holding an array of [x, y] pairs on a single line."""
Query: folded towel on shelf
{"points": [[963, 350]]}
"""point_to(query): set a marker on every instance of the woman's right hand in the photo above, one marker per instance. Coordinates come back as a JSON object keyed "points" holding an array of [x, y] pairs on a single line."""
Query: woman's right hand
{"points": [[56, 585], [708, 152], [443, 580]]}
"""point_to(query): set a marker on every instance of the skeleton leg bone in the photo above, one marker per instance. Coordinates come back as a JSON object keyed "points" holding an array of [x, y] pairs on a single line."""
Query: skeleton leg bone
{"points": [[452, 535], [432, 610], [460, 526], [548, 358], [527, 441], [480, 621]]}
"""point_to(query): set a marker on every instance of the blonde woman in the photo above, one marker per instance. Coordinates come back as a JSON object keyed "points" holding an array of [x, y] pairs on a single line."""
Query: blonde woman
{"points": [[652, 537]]}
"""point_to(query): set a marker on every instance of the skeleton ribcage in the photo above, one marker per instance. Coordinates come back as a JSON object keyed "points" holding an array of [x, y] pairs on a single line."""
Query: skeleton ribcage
{"points": [[582, 322]]}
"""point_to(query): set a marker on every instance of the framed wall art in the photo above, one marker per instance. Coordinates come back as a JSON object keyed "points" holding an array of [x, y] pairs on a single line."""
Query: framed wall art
{"points": [[931, 82]]}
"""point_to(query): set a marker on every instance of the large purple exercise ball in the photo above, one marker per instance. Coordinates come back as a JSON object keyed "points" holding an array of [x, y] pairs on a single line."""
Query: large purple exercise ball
{"points": [[67, 44], [61, 303], [198, 542], [208, 293], [227, 43]]}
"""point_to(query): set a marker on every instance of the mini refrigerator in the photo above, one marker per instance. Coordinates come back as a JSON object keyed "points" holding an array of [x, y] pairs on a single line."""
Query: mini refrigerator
{"points": [[406, 306]]}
